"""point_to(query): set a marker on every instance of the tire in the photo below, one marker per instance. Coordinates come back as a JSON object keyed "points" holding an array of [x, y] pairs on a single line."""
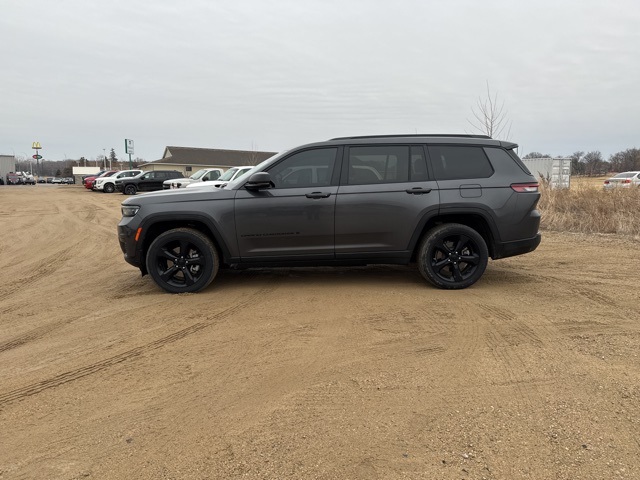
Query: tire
{"points": [[452, 256], [108, 188], [129, 189], [182, 260]]}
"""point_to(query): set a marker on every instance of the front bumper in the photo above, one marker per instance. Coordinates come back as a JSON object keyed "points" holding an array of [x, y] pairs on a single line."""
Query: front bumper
{"points": [[129, 245]]}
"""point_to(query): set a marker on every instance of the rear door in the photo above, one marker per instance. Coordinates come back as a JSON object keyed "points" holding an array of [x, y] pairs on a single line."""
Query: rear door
{"points": [[385, 192]]}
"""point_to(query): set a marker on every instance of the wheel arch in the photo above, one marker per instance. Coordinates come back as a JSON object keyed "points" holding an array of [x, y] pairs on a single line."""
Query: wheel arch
{"points": [[478, 220], [158, 225]]}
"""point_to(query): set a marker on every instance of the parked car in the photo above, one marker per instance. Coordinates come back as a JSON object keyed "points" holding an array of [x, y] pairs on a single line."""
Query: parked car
{"points": [[202, 175], [447, 202], [108, 184], [145, 182], [15, 178], [57, 180], [28, 178], [226, 177], [89, 181], [624, 180]]}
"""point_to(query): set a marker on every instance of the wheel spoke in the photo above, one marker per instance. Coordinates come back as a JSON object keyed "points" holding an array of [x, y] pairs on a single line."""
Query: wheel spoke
{"points": [[473, 259], [440, 245], [196, 261], [457, 276], [169, 273], [168, 254], [462, 241], [184, 248], [441, 264], [188, 278]]}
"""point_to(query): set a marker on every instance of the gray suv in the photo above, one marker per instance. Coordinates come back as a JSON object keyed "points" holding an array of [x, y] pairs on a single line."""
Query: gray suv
{"points": [[445, 202]]}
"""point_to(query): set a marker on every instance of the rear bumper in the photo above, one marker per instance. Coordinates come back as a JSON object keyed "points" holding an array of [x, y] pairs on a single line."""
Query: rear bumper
{"points": [[520, 247]]}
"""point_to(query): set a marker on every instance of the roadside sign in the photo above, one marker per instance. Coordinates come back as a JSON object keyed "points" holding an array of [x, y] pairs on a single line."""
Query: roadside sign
{"points": [[128, 146], [36, 157], [36, 145]]}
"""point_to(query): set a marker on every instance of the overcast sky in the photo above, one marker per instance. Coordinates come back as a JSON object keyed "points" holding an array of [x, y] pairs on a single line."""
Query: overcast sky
{"points": [[80, 76]]}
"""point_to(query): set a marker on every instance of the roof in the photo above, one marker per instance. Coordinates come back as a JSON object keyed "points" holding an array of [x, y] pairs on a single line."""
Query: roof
{"points": [[211, 157]]}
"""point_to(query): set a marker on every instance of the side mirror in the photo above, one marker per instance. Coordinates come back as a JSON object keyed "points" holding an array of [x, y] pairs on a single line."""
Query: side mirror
{"points": [[259, 181]]}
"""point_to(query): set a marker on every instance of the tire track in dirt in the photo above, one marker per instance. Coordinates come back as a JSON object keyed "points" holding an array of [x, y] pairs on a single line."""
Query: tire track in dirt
{"points": [[505, 334], [78, 373], [33, 335], [45, 267]]}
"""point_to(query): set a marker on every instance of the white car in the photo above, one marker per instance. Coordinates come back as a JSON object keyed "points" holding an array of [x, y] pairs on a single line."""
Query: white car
{"points": [[202, 175], [108, 184], [624, 179], [228, 176]]}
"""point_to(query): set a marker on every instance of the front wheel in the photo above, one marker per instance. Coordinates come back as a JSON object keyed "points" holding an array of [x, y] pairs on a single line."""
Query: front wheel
{"points": [[108, 188], [452, 256], [182, 260]]}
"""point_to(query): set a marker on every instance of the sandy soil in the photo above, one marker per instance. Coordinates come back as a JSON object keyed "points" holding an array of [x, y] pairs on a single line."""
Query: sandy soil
{"points": [[362, 373]]}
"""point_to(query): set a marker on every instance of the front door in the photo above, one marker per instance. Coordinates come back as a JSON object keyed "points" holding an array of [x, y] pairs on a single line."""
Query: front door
{"points": [[293, 220]]}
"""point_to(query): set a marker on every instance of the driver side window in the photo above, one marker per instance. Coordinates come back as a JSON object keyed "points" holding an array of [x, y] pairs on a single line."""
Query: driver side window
{"points": [[311, 168]]}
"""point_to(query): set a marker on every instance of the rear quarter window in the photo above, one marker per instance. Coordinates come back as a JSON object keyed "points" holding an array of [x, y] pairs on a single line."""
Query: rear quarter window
{"points": [[459, 162]]}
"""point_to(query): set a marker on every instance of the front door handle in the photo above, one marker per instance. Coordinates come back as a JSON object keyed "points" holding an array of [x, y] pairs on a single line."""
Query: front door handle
{"points": [[317, 195], [418, 190]]}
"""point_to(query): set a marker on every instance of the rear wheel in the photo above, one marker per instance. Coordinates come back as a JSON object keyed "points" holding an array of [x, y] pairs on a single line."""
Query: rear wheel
{"points": [[452, 256], [182, 260], [129, 190]]}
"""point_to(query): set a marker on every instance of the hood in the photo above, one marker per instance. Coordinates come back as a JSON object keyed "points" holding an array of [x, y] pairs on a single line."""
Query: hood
{"points": [[179, 195]]}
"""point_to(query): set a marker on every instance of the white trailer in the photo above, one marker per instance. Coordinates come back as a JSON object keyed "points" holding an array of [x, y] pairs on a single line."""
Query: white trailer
{"points": [[7, 164], [556, 171]]}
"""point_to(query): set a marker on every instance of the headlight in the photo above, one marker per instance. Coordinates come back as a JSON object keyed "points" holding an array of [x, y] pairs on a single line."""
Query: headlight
{"points": [[129, 210]]}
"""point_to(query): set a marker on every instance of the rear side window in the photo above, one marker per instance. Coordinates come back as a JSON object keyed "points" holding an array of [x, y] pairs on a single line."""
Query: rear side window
{"points": [[459, 162], [380, 164]]}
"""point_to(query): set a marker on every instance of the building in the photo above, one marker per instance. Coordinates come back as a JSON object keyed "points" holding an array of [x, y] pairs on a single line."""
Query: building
{"points": [[188, 160], [7, 164]]}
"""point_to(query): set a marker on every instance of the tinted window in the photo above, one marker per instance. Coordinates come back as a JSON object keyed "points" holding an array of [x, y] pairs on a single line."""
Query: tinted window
{"points": [[311, 168], [452, 163], [418, 171], [382, 164]]}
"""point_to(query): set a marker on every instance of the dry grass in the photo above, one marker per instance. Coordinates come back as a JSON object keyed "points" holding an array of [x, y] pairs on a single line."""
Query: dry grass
{"points": [[587, 208]]}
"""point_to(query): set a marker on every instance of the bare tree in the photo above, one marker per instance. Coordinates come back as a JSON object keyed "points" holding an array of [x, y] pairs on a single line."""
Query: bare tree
{"points": [[491, 117]]}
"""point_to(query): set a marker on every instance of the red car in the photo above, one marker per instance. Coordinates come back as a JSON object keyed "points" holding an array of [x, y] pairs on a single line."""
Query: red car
{"points": [[89, 181]]}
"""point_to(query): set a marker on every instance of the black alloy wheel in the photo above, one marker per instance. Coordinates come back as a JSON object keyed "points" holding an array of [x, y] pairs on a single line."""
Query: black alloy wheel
{"points": [[452, 256], [129, 190], [108, 188], [182, 260]]}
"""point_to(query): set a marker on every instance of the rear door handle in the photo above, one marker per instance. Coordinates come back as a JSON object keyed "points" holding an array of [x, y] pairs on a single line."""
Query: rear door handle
{"points": [[317, 195], [418, 190]]}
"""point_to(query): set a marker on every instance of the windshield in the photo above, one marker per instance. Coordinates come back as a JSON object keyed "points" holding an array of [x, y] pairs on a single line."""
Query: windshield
{"points": [[228, 175], [198, 174]]}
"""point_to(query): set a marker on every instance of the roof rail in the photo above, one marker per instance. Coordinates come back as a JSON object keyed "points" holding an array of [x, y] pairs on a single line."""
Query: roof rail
{"points": [[445, 135]]}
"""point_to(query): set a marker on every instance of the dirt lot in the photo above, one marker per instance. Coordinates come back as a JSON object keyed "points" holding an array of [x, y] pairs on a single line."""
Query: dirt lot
{"points": [[362, 373]]}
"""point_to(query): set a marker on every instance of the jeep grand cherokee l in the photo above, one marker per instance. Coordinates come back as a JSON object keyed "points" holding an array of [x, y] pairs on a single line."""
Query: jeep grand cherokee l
{"points": [[445, 202]]}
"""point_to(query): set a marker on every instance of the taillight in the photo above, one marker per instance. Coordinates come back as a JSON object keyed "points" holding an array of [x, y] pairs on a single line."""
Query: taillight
{"points": [[606, 182], [525, 187], [627, 181]]}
